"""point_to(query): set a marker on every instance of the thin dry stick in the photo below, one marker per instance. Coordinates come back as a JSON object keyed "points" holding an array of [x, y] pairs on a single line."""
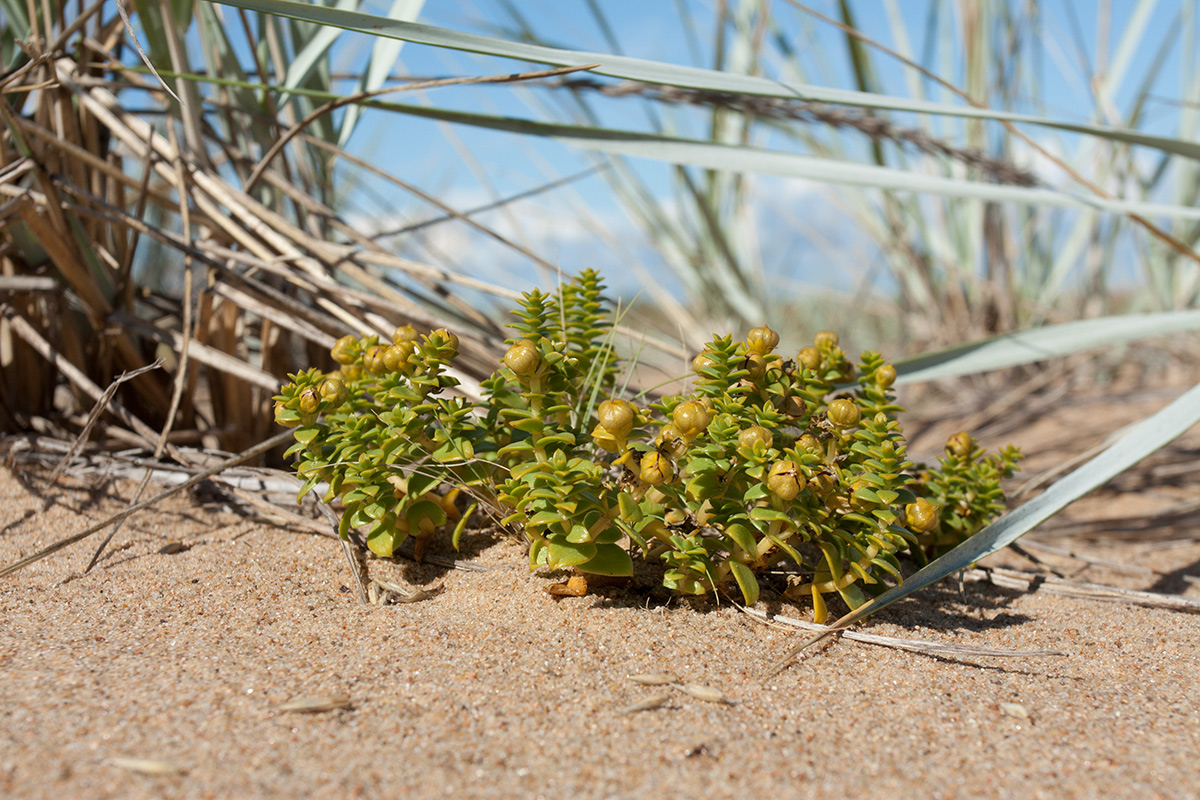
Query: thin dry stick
{"points": [[97, 410], [333, 105], [781, 108], [912, 645], [240, 458], [1032, 581], [124, 12]]}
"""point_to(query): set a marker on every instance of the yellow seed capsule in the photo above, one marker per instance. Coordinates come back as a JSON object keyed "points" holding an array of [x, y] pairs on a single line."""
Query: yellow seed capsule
{"points": [[756, 365], [449, 337], [670, 442], [839, 504], [960, 444], [345, 350], [809, 358], [702, 361], [762, 340], [617, 417], [334, 391], [373, 359], [821, 484], [655, 469], [755, 436], [844, 413], [885, 376], [690, 418], [395, 358], [808, 443], [280, 408], [921, 516], [792, 406], [523, 358], [310, 400], [784, 480], [606, 441], [405, 333], [825, 340]]}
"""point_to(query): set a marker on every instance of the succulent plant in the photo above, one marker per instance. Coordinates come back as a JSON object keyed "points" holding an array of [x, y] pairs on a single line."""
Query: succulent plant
{"points": [[767, 464]]}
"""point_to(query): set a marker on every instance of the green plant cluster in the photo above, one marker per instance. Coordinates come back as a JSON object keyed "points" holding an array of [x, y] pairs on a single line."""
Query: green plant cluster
{"points": [[768, 462]]}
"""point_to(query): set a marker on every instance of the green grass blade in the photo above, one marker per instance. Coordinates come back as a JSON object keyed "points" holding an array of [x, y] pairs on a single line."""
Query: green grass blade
{"points": [[383, 57], [674, 74], [1143, 439], [744, 158], [312, 53], [1040, 344]]}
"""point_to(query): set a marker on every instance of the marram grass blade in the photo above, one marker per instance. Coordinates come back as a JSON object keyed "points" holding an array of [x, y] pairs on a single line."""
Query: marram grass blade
{"points": [[311, 54], [744, 158], [1040, 344], [384, 56], [674, 74], [1141, 440]]}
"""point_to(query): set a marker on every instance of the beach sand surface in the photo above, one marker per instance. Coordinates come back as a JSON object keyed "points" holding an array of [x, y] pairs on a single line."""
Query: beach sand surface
{"points": [[160, 674]]}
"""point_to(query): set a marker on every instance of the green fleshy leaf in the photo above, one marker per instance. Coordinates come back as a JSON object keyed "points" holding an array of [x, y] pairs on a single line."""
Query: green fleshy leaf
{"points": [[421, 482], [756, 492], [537, 553], [530, 425], [383, 538], [563, 438], [344, 524], [462, 525], [610, 559], [745, 581], [703, 486], [853, 595], [609, 536], [425, 509], [454, 450], [578, 535], [561, 553], [743, 536], [305, 435], [631, 512], [863, 493], [543, 518], [521, 448], [764, 514], [793, 554]]}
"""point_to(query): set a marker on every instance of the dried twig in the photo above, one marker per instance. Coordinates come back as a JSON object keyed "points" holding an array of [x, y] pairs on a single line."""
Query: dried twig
{"points": [[912, 645], [1038, 582], [779, 108]]}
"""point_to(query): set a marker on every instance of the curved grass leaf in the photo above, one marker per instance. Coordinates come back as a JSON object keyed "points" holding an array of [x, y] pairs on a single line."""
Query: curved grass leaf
{"points": [[384, 55], [1040, 344], [744, 158], [312, 53], [1141, 440], [677, 75]]}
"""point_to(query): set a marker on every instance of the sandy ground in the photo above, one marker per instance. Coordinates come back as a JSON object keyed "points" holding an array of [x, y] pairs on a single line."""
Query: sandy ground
{"points": [[495, 689]]}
